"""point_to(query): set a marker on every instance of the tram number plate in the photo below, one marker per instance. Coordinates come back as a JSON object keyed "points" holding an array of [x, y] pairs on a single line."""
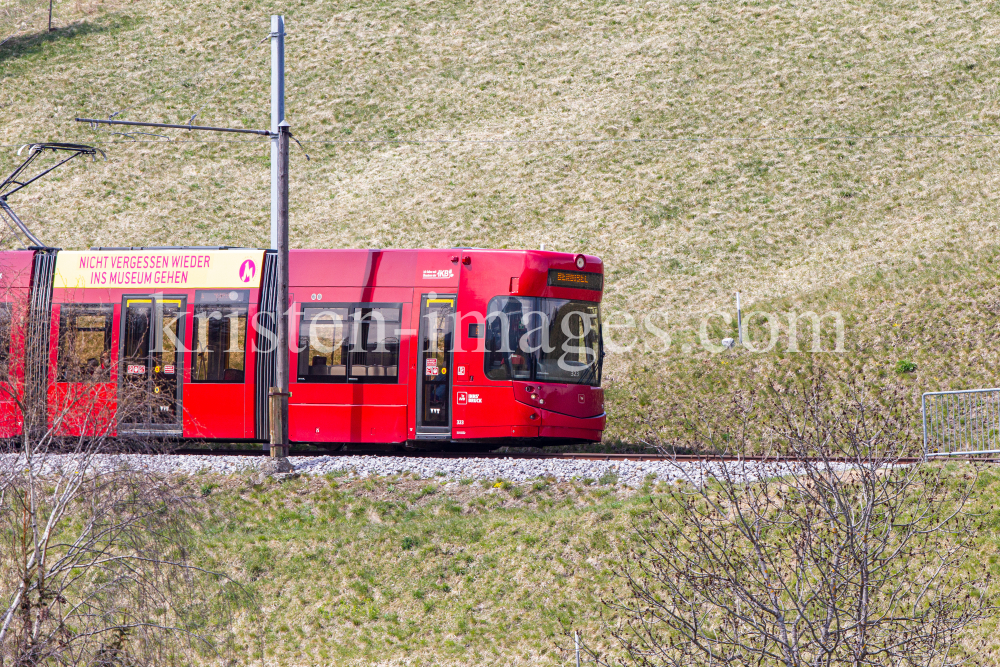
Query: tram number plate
{"points": [[135, 369]]}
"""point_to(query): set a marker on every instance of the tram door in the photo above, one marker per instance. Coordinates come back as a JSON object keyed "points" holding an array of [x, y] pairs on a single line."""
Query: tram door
{"points": [[437, 327], [151, 393]]}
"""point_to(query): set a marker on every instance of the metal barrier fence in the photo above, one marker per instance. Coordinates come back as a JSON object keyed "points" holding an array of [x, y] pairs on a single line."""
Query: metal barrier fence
{"points": [[961, 422]]}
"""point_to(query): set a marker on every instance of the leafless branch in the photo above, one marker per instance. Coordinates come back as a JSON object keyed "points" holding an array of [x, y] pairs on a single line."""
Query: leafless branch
{"points": [[842, 555], [96, 564]]}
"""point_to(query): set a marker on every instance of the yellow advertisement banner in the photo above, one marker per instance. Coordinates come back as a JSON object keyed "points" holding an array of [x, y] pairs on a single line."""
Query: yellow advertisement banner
{"points": [[158, 269]]}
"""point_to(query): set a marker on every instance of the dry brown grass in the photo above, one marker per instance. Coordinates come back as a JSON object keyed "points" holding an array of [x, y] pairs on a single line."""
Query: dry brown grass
{"points": [[384, 572]]}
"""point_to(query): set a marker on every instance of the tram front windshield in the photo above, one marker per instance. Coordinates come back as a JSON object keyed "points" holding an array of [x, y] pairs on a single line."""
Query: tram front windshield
{"points": [[543, 340]]}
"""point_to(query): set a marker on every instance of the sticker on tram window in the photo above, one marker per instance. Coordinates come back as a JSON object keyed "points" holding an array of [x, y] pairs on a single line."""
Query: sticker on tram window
{"points": [[432, 366], [135, 369], [578, 279], [168, 369]]}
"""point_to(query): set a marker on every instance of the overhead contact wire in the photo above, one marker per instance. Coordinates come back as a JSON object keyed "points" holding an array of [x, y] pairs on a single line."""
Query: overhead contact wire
{"points": [[581, 140]]}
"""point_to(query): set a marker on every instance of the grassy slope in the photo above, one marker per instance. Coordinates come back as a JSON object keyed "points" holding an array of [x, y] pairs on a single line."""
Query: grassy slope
{"points": [[391, 573], [889, 231], [409, 572]]}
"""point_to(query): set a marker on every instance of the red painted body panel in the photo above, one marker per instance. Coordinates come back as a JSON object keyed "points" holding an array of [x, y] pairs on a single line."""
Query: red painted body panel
{"points": [[210, 411], [214, 410], [346, 412], [506, 404], [556, 420], [356, 422], [488, 406], [340, 413], [84, 409], [573, 400], [15, 282], [15, 269], [220, 410]]}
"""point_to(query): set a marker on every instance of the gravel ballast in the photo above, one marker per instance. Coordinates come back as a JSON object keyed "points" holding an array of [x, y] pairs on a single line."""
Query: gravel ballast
{"points": [[629, 473]]}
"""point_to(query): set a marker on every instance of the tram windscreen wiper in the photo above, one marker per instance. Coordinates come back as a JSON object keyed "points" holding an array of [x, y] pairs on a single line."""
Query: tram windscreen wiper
{"points": [[590, 374]]}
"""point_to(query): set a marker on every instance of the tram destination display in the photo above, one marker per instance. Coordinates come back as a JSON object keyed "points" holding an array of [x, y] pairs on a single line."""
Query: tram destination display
{"points": [[578, 279]]}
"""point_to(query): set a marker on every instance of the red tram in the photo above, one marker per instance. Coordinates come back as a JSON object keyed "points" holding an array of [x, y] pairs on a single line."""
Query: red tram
{"points": [[463, 346]]}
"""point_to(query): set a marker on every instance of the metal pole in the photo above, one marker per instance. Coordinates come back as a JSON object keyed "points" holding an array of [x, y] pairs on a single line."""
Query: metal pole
{"points": [[50, 15], [576, 638], [279, 393], [739, 319], [923, 409], [277, 112]]}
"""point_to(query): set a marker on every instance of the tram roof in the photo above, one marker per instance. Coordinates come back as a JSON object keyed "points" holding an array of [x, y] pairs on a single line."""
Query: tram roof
{"points": [[195, 267]]}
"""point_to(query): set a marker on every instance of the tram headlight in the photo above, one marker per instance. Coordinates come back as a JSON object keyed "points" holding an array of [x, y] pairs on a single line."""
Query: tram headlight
{"points": [[581, 261]]}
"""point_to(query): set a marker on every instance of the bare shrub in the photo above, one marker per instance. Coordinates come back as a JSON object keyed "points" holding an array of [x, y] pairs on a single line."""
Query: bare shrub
{"points": [[99, 561], [848, 557]]}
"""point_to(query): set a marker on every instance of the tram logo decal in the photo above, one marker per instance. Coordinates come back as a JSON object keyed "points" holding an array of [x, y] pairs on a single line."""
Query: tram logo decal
{"points": [[438, 274], [247, 270], [465, 398]]}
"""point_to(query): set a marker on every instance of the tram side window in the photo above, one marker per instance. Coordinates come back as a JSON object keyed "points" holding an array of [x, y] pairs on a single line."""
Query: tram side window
{"points": [[349, 343], [85, 343], [4, 340], [323, 341], [507, 322], [375, 344], [218, 333]]}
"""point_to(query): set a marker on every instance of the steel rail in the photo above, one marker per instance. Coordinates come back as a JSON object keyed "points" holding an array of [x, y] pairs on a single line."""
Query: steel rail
{"points": [[567, 456]]}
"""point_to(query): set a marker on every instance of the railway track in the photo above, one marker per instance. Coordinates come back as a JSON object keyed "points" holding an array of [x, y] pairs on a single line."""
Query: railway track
{"points": [[566, 456]]}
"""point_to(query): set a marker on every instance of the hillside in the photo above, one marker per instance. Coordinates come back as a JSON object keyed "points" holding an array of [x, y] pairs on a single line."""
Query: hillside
{"points": [[812, 155], [412, 572]]}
